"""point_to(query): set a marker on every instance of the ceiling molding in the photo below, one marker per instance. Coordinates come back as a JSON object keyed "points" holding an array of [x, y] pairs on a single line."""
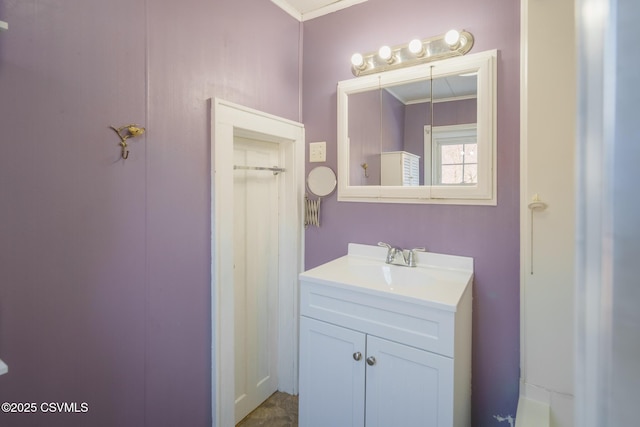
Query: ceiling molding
{"points": [[330, 8], [298, 8], [286, 6]]}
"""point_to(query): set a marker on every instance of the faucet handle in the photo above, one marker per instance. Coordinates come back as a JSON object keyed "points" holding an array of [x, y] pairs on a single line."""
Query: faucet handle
{"points": [[391, 252], [411, 260]]}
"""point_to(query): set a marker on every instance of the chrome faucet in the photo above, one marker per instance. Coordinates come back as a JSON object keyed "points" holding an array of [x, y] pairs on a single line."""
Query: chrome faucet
{"points": [[408, 258]]}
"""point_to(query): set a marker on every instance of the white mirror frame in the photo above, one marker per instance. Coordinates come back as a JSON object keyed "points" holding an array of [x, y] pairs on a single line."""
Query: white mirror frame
{"points": [[485, 192]]}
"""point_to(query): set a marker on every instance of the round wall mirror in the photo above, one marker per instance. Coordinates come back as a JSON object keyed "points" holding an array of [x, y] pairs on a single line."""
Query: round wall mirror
{"points": [[321, 181]]}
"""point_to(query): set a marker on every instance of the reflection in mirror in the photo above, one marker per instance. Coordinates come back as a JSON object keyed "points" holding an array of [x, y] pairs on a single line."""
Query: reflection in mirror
{"points": [[419, 134], [453, 142], [365, 139], [455, 155], [390, 127]]}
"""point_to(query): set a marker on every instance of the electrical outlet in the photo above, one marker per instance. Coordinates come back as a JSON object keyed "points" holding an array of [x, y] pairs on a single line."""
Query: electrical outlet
{"points": [[317, 152]]}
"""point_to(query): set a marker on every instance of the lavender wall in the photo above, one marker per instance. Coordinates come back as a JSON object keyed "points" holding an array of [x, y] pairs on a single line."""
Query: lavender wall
{"points": [[104, 263], [376, 125], [392, 123], [365, 138], [486, 233]]}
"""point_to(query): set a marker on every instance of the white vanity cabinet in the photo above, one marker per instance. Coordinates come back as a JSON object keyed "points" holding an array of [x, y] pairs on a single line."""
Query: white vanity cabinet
{"points": [[356, 374], [399, 168], [332, 379], [383, 345], [407, 386]]}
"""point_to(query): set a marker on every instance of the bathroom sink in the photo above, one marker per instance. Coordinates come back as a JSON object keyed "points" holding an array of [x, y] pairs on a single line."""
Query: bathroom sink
{"points": [[364, 324], [438, 280], [380, 274]]}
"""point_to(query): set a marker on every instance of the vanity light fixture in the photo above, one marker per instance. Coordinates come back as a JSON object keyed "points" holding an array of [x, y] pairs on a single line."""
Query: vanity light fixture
{"points": [[452, 38], [417, 48], [453, 43], [386, 54], [357, 60]]}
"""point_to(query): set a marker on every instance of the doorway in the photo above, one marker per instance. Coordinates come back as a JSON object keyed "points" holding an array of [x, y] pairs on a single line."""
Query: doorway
{"points": [[241, 134], [255, 190]]}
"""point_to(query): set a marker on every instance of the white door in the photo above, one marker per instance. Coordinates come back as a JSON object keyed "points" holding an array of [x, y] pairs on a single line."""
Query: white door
{"points": [[255, 274], [331, 375], [407, 386]]}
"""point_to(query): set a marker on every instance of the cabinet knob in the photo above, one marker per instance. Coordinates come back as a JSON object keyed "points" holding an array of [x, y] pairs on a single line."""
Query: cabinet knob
{"points": [[357, 356], [371, 360]]}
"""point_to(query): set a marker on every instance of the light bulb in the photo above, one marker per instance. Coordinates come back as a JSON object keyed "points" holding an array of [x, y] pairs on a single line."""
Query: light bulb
{"points": [[415, 47], [357, 60], [385, 53], [452, 37]]}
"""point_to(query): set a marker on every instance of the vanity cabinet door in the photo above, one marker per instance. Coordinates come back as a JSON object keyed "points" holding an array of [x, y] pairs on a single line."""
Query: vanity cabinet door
{"points": [[332, 370], [407, 386]]}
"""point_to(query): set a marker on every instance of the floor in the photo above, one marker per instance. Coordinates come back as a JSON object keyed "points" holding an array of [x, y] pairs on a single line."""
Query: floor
{"points": [[280, 410]]}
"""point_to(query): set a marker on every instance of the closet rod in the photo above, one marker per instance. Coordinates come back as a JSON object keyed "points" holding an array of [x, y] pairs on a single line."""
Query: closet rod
{"points": [[276, 170]]}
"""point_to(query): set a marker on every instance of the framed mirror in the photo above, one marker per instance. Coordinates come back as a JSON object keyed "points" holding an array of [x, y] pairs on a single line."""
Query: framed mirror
{"points": [[422, 134]]}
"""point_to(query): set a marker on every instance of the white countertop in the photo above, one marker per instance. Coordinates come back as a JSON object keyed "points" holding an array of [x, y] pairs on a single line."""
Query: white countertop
{"points": [[438, 280]]}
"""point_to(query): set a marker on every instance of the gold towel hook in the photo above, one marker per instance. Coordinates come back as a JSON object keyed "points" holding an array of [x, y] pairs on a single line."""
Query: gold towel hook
{"points": [[125, 152], [365, 167], [126, 132]]}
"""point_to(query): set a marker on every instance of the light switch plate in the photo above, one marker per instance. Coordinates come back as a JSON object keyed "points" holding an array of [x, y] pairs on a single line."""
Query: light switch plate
{"points": [[317, 152]]}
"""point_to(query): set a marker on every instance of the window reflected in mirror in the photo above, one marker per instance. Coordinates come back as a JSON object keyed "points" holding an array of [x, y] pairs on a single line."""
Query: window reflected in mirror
{"points": [[455, 155]]}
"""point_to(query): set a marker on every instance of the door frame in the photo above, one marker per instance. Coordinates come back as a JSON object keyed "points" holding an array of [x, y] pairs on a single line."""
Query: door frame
{"points": [[547, 388], [229, 120]]}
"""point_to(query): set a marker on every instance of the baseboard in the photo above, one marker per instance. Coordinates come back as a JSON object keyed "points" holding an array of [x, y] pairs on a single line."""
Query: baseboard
{"points": [[532, 413]]}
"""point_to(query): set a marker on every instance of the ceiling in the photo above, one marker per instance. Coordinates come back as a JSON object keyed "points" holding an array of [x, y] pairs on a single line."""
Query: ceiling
{"points": [[444, 88], [304, 10]]}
